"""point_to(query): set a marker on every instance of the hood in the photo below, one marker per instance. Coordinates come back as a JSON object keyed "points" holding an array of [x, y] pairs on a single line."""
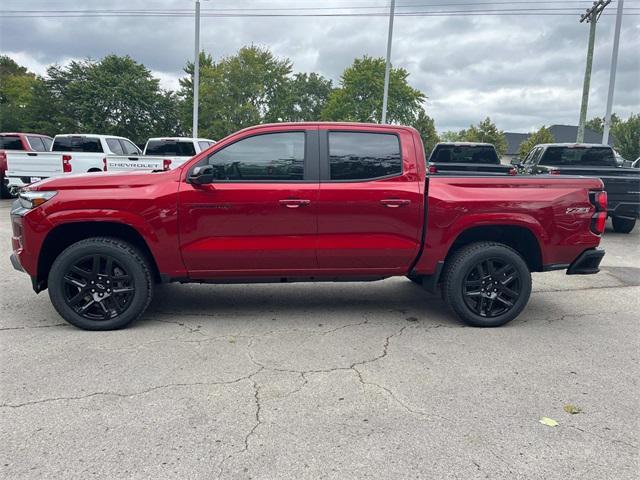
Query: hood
{"points": [[105, 180]]}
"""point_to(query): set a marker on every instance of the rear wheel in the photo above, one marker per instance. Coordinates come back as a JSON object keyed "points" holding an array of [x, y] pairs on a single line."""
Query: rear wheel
{"points": [[100, 284], [623, 225], [486, 284]]}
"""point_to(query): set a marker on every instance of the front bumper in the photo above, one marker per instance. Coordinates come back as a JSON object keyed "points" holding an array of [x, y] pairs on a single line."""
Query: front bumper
{"points": [[587, 263], [15, 261]]}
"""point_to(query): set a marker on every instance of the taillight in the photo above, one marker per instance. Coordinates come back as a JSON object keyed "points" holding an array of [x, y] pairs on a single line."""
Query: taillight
{"points": [[599, 219], [553, 171], [166, 164], [66, 163], [513, 171], [104, 164], [433, 169]]}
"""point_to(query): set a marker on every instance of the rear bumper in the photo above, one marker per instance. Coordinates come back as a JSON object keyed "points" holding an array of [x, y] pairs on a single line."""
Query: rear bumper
{"points": [[15, 261], [587, 263]]}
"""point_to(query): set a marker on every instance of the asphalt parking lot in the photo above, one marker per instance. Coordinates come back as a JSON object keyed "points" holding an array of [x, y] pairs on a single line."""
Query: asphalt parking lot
{"points": [[340, 381]]}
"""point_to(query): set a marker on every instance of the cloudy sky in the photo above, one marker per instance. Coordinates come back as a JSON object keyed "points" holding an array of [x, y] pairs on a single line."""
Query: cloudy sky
{"points": [[521, 70]]}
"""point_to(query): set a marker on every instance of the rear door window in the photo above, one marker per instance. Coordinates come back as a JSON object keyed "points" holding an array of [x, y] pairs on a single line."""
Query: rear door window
{"points": [[363, 156], [36, 143], [114, 146], [171, 148], [77, 144], [204, 145], [579, 157], [465, 154], [47, 143], [10, 142], [128, 147]]}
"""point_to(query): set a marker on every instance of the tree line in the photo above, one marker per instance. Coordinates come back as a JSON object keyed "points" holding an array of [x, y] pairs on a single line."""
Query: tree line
{"points": [[117, 95]]}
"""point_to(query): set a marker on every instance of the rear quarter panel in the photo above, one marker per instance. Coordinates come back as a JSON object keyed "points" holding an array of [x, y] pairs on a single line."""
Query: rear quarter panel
{"points": [[540, 204]]}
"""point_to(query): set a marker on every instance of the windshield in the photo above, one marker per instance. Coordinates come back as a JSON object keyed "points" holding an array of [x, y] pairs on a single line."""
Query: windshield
{"points": [[579, 156], [465, 154], [170, 148]]}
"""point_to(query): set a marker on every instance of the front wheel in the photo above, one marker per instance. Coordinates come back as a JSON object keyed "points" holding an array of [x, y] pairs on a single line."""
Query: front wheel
{"points": [[100, 284], [623, 225], [486, 284]]}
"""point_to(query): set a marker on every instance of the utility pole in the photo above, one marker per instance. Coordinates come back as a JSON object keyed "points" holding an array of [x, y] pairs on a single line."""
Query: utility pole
{"points": [[612, 73], [196, 72], [590, 16], [387, 68]]}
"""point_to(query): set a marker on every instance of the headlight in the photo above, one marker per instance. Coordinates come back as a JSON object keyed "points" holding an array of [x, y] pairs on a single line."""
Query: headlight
{"points": [[34, 199]]}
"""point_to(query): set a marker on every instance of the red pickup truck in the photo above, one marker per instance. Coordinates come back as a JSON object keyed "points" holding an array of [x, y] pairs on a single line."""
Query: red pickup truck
{"points": [[303, 202]]}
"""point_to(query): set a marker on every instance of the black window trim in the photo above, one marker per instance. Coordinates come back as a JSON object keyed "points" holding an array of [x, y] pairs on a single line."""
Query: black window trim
{"points": [[311, 163], [325, 167]]}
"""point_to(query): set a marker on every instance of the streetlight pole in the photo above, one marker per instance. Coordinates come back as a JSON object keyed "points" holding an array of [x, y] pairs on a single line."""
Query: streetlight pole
{"points": [[591, 15], [612, 73], [196, 72], [387, 68]]}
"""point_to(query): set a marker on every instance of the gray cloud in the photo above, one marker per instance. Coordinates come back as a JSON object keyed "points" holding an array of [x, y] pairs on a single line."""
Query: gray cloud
{"points": [[521, 71]]}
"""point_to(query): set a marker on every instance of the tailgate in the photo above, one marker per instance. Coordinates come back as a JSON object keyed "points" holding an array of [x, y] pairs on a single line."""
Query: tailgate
{"points": [[121, 163], [621, 184], [34, 164]]}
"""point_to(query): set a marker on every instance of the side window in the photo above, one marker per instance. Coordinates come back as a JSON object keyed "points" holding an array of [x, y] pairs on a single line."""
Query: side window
{"points": [[36, 144], [204, 145], [47, 143], [363, 156], [270, 157], [114, 146], [129, 148]]}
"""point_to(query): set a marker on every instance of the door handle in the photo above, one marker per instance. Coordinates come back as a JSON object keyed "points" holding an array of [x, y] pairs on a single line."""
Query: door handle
{"points": [[395, 202], [294, 203]]}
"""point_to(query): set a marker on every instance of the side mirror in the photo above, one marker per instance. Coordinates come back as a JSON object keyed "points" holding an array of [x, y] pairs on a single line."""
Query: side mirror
{"points": [[201, 175]]}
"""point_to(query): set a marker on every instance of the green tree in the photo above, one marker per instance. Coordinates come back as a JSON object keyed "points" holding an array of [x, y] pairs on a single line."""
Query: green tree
{"points": [[238, 91], [116, 96], [597, 123], [426, 126], [307, 94], [543, 135], [450, 136], [17, 93], [486, 132], [359, 97], [627, 137]]}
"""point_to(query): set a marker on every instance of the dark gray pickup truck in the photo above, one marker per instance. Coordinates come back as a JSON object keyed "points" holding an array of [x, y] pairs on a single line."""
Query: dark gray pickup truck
{"points": [[467, 158], [591, 160]]}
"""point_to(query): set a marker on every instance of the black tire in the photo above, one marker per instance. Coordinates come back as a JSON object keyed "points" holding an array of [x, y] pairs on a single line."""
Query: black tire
{"points": [[486, 274], [4, 190], [75, 283], [415, 279], [623, 225]]}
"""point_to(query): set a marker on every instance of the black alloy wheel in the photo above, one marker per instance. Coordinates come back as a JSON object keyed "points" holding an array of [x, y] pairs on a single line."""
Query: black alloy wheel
{"points": [[97, 287], [492, 287], [486, 284], [101, 283]]}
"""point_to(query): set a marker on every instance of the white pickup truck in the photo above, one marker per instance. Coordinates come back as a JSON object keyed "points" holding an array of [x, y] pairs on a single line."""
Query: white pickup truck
{"points": [[69, 154], [161, 153]]}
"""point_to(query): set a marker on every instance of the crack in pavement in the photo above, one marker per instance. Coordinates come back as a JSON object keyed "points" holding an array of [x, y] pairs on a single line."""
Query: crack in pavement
{"points": [[601, 437], [129, 395], [26, 327]]}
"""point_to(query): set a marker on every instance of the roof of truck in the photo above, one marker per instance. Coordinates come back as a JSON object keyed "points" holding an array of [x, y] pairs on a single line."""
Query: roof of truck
{"points": [[90, 135], [182, 139], [575, 145], [467, 144]]}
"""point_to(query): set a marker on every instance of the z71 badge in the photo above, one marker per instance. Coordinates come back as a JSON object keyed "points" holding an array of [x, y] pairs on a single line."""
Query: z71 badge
{"points": [[576, 210]]}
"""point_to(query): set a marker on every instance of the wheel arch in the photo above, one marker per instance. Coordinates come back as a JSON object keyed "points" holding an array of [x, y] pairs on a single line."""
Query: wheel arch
{"points": [[66, 234], [518, 237]]}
